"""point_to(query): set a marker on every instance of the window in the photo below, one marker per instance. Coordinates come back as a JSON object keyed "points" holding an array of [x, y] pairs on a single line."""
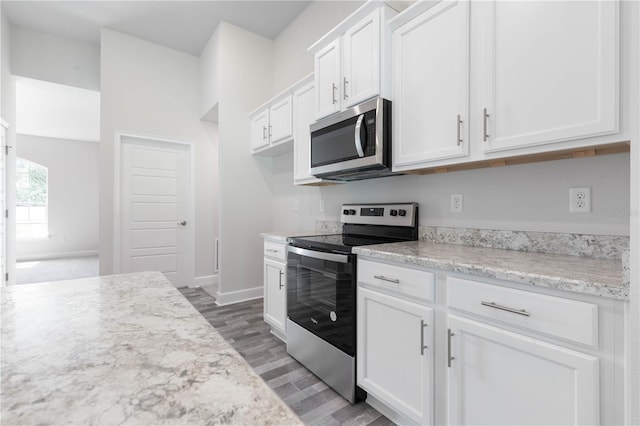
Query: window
{"points": [[31, 200]]}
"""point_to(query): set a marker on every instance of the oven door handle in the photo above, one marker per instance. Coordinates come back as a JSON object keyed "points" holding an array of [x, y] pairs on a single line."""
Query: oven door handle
{"points": [[332, 257]]}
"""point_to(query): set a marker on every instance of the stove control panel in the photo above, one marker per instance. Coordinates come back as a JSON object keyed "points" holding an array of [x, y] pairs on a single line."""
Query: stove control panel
{"points": [[400, 214]]}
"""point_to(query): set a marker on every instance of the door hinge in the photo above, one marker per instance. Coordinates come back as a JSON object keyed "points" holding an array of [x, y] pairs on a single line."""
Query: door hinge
{"points": [[6, 276], [6, 150]]}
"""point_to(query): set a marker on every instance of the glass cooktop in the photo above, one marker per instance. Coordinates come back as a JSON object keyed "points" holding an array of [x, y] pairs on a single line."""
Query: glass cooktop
{"points": [[337, 242]]}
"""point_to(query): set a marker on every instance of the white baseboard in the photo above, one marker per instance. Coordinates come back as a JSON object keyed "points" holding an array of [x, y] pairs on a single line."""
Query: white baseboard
{"points": [[205, 280], [388, 412], [59, 255], [231, 297]]}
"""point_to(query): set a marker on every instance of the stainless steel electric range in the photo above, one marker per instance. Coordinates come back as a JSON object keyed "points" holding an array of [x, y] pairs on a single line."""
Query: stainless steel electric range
{"points": [[321, 289]]}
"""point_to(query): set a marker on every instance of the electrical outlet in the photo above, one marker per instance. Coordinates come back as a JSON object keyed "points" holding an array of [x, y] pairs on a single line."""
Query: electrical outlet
{"points": [[456, 203], [580, 200]]}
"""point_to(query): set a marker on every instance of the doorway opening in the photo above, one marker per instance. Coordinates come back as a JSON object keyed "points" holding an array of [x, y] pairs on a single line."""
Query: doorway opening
{"points": [[53, 184]]}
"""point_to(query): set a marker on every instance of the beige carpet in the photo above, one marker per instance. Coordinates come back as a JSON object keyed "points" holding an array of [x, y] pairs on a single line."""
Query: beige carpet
{"points": [[37, 271]]}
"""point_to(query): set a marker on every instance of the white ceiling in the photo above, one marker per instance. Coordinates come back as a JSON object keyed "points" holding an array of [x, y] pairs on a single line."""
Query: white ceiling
{"points": [[181, 25]]}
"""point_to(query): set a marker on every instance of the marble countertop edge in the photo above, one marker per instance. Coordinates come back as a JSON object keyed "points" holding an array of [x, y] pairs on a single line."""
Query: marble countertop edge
{"points": [[519, 275]]}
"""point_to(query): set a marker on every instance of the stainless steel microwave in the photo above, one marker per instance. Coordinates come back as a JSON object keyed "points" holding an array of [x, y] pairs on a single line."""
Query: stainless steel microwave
{"points": [[353, 144]]}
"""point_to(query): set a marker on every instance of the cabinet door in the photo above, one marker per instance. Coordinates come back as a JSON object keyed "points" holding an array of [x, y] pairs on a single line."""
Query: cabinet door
{"points": [[395, 353], [280, 121], [260, 130], [549, 71], [361, 61], [503, 378], [275, 294], [327, 79], [431, 86], [303, 116]]}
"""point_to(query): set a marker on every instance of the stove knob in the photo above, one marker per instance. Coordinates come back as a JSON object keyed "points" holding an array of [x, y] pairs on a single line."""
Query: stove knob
{"points": [[345, 212], [351, 211], [402, 212], [393, 212]]}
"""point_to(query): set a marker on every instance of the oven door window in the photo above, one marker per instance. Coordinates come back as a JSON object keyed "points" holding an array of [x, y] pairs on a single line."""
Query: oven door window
{"points": [[321, 298]]}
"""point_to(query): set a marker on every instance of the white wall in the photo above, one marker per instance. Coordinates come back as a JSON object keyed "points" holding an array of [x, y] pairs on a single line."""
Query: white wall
{"points": [[210, 78], [153, 91], [291, 61], [42, 56], [73, 173], [57, 111], [244, 181], [530, 197]]}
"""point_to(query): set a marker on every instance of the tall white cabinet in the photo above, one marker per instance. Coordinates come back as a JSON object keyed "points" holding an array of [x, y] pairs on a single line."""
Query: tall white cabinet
{"points": [[303, 116]]}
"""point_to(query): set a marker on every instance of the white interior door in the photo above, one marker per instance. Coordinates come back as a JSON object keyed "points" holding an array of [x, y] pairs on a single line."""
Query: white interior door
{"points": [[156, 220]]}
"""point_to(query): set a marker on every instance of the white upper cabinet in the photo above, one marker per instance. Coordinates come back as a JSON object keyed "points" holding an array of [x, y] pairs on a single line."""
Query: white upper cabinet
{"points": [[327, 75], [479, 81], [260, 130], [361, 61], [280, 120], [549, 71], [431, 86], [352, 61], [303, 113]]}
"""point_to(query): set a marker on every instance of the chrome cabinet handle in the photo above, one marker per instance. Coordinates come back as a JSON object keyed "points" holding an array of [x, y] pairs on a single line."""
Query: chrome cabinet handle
{"points": [[506, 308], [449, 357], [459, 131], [344, 88], [264, 132], [270, 127], [272, 250], [423, 325], [333, 93], [383, 278], [486, 116], [358, 142], [183, 223], [280, 285]]}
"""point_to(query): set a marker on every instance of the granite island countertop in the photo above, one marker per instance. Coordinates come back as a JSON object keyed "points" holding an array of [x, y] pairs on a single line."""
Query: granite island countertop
{"points": [[599, 277], [122, 349]]}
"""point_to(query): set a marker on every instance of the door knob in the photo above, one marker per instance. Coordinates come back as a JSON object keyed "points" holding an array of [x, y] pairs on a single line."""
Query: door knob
{"points": [[183, 223]]}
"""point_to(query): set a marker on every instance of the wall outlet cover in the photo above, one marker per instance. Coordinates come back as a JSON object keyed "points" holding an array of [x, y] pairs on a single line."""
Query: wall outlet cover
{"points": [[456, 203], [580, 199]]}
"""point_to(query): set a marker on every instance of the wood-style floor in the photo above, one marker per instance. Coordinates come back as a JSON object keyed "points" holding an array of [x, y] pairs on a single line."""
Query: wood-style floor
{"points": [[313, 401]]}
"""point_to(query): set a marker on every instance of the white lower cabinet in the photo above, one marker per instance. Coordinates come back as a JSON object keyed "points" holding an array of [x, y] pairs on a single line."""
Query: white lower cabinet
{"points": [[395, 353], [499, 377], [439, 347], [275, 289]]}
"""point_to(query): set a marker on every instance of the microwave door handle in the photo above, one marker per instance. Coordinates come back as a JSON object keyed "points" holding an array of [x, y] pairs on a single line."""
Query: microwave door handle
{"points": [[357, 136]]}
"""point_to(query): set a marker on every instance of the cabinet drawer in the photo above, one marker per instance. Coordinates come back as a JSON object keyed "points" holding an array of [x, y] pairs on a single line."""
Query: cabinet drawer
{"points": [[564, 318], [275, 250], [407, 281]]}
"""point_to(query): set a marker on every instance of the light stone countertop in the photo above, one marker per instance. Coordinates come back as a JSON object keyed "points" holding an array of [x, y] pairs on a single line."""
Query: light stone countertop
{"points": [[599, 277], [123, 349]]}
